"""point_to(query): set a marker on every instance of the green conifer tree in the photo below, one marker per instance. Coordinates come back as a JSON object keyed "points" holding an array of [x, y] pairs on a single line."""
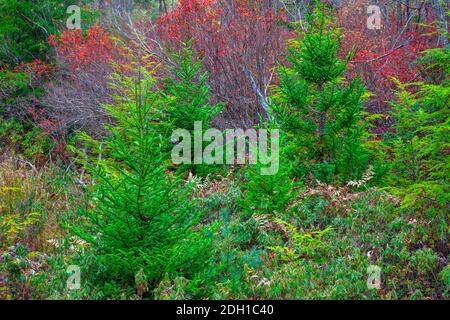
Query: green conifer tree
{"points": [[189, 92], [188, 95], [142, 219], [420, 144], [318, 110]]}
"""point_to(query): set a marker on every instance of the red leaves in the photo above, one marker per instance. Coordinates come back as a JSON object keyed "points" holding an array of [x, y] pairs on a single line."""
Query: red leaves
{"points": [[37, 69], [220, 30], [189, 19], [230, 36], [398, 62], [52, 39], [269, 257], [382, 54], [80, 49], [42, 120]]}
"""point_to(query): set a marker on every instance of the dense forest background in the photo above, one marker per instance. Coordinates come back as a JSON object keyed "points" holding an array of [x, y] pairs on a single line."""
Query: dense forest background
{"points": [[93, 207]]}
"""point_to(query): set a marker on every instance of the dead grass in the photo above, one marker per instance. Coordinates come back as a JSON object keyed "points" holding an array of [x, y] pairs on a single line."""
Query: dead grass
{"points": [[24, 190]]}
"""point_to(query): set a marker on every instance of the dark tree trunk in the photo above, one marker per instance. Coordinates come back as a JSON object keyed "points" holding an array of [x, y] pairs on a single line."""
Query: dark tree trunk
{"points": [[399, 15]]}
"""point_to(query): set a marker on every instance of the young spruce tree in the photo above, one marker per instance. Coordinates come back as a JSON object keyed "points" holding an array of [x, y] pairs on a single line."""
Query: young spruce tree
{"points": [[142, 220], [188, 95], [318, 110], [189, 92]]}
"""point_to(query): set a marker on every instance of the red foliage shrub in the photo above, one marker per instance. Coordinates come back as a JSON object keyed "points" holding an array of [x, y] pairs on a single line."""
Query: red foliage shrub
{"points": [[75, 97], [378, 67], [240, 42], [38, 70], [380, 55], [80, 49], [50, 129]]}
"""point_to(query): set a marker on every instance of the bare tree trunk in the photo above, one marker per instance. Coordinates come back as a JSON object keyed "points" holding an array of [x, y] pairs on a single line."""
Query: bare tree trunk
{"points": [[399, 15], [162, 6], [257, 90], [408, 14], [385, 11], [321, 130]]}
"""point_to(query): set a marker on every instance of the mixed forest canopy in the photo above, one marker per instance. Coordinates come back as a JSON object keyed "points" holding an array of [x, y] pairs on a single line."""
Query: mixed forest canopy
{"points": [[355, 97]]}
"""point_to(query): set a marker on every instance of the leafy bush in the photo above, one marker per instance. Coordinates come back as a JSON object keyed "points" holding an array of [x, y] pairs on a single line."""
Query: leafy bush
{"points": [[31, 205], [24, 139], [444, 275], [420, 143], [266, 194], [13, 224], [307, 244], [424, 261]]}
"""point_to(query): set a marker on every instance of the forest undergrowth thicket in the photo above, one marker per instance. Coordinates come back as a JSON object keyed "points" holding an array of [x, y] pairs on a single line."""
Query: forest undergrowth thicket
{"points": [[93, 207]]}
